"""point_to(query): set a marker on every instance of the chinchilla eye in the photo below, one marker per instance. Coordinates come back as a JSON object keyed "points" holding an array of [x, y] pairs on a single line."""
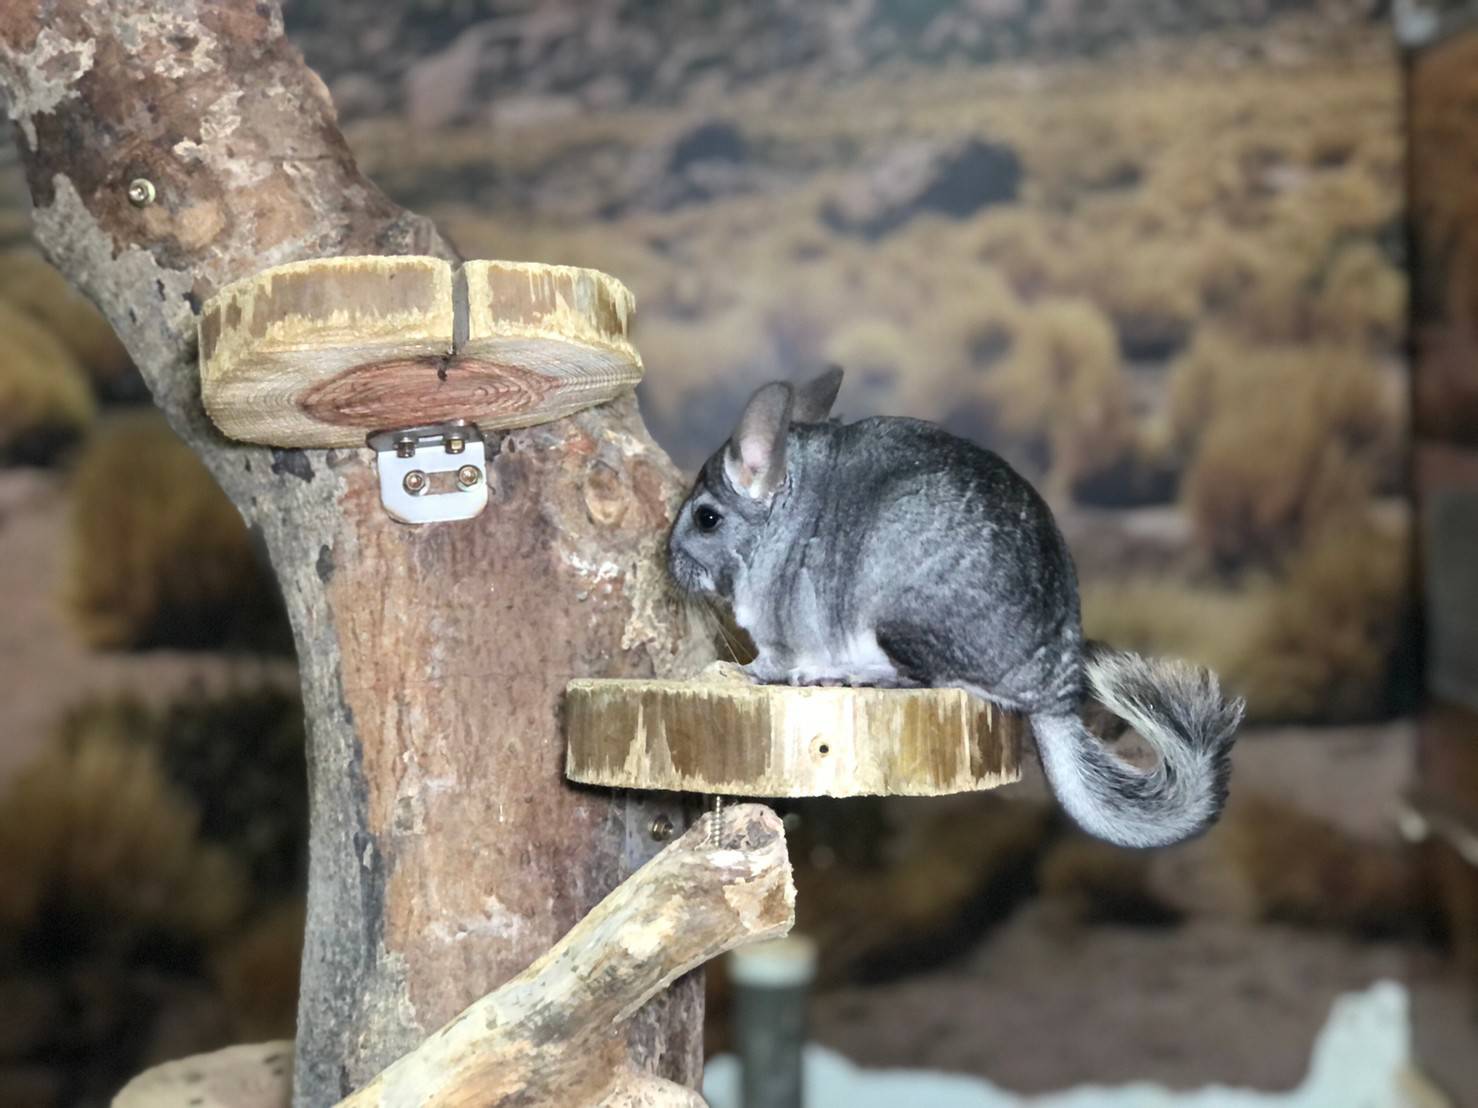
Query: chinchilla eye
{"points": [[706, 518]]}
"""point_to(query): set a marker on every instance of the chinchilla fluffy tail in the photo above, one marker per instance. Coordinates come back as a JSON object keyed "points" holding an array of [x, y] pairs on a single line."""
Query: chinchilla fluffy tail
{"points": [[1180, 711]]}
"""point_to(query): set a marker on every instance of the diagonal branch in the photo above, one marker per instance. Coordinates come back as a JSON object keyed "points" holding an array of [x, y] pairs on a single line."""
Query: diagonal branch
{"points": [[549, 1036]]}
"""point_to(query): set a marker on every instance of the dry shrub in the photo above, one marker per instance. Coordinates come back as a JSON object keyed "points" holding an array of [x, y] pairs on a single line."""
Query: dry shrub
{"points": [[1022, 246], [1146, 286], [1326, 649], [1303, 870], [117, 903], [257, 972], [94, 830], [1339, 204], [32, 285], [1253, 281], [1212, 627], [891, 369], [1363, 298], [931, 889], [1284, 439], [1094, 882], [876, 353], [977, 317], [1061, 393], [1318, 642], [159, 556], [238, 754], [1260, 484], [45, 402]]}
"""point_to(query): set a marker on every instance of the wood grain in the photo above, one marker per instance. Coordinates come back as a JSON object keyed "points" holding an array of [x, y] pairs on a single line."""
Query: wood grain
{"points": [[726, 736], [321, 353]]}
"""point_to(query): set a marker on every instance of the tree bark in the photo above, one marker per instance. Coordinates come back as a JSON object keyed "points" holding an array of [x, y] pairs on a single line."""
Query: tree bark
{"points": [[447, 852]]}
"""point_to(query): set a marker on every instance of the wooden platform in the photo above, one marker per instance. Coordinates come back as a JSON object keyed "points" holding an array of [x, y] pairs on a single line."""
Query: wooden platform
{"points": [[724, 735], [321, 353]]}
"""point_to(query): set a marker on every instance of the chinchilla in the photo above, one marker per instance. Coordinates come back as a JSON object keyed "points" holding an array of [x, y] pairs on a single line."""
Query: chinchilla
{"points": [[889, 552]]}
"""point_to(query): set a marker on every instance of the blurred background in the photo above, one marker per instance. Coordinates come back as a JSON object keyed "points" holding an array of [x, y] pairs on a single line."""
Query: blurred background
{"points": [[1206, 271]]}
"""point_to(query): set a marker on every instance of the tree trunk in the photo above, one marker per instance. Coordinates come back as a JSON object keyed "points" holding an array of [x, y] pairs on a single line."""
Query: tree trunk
{"points": [[447, 851]]}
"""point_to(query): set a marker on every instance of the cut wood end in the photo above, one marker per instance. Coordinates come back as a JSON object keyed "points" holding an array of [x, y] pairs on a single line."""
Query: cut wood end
{"points": [[258, 1075], [728, 737], [321, 353]]}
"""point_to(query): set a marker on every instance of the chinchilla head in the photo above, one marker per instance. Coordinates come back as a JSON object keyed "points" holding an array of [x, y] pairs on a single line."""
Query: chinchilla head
{"points": [[732, 500]]}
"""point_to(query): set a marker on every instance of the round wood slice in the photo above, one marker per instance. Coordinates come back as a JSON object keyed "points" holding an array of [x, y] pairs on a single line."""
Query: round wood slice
{"points": [[729, 737], [321, 353]]}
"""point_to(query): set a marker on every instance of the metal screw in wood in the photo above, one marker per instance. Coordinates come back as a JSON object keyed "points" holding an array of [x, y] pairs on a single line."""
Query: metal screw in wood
{"points": [[141, 192], [716, 829]]}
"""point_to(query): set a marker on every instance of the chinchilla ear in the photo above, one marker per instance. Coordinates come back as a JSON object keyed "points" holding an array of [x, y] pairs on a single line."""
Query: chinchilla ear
{"points": [[754, 461], [814, 399]]}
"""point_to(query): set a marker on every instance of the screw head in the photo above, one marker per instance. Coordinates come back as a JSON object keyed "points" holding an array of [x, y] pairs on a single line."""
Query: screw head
{"points": [[468, 476], [415, 482], [455, 446], [406, 448], [661, 829], [141, 192]]}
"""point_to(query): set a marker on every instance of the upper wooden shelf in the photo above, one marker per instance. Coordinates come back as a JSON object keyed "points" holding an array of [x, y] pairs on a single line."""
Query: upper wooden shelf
{"points": [[321, 353], [723, 735]]}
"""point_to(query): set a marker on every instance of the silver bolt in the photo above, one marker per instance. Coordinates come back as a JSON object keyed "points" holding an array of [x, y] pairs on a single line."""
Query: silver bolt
{"points": [[661, 829], [716, 828], [415, 482], [468, 476], [406, 448], [455, 446], [141, 192]]}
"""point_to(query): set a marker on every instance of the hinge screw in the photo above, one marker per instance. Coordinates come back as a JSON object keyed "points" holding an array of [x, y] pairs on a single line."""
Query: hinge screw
{"points": [[468, 476], [661, 829], [415, 482], [141, 192]]}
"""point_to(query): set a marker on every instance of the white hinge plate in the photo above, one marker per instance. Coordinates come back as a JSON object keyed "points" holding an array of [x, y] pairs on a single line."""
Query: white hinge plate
{"points": [[432, 474]]}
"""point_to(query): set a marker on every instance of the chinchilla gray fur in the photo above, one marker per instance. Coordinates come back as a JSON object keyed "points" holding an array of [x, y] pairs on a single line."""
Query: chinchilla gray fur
{"points": [[890, 552]]}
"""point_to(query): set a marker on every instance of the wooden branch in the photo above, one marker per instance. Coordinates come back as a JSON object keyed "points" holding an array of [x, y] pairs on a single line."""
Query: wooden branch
{"points": [[550, 1035], [547, 1037], [323, 352], [448, 851], [725, 735]]}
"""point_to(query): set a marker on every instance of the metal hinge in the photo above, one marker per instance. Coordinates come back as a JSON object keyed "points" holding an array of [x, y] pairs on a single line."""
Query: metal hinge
{"points": [[432, 474]]}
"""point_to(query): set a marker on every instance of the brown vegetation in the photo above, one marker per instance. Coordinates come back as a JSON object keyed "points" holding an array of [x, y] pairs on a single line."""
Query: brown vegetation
{"points": [[159, 556], [1303, 870], [152, 897], [29, 283], [1283, 440], [45, 402]]}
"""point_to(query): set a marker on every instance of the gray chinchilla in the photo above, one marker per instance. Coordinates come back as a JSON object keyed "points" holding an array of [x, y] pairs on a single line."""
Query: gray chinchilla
{"points": [[890, 552]]}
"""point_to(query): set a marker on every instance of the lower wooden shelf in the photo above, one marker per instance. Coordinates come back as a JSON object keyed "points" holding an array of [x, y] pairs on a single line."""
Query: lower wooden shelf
{"points": [[721, 734]]}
